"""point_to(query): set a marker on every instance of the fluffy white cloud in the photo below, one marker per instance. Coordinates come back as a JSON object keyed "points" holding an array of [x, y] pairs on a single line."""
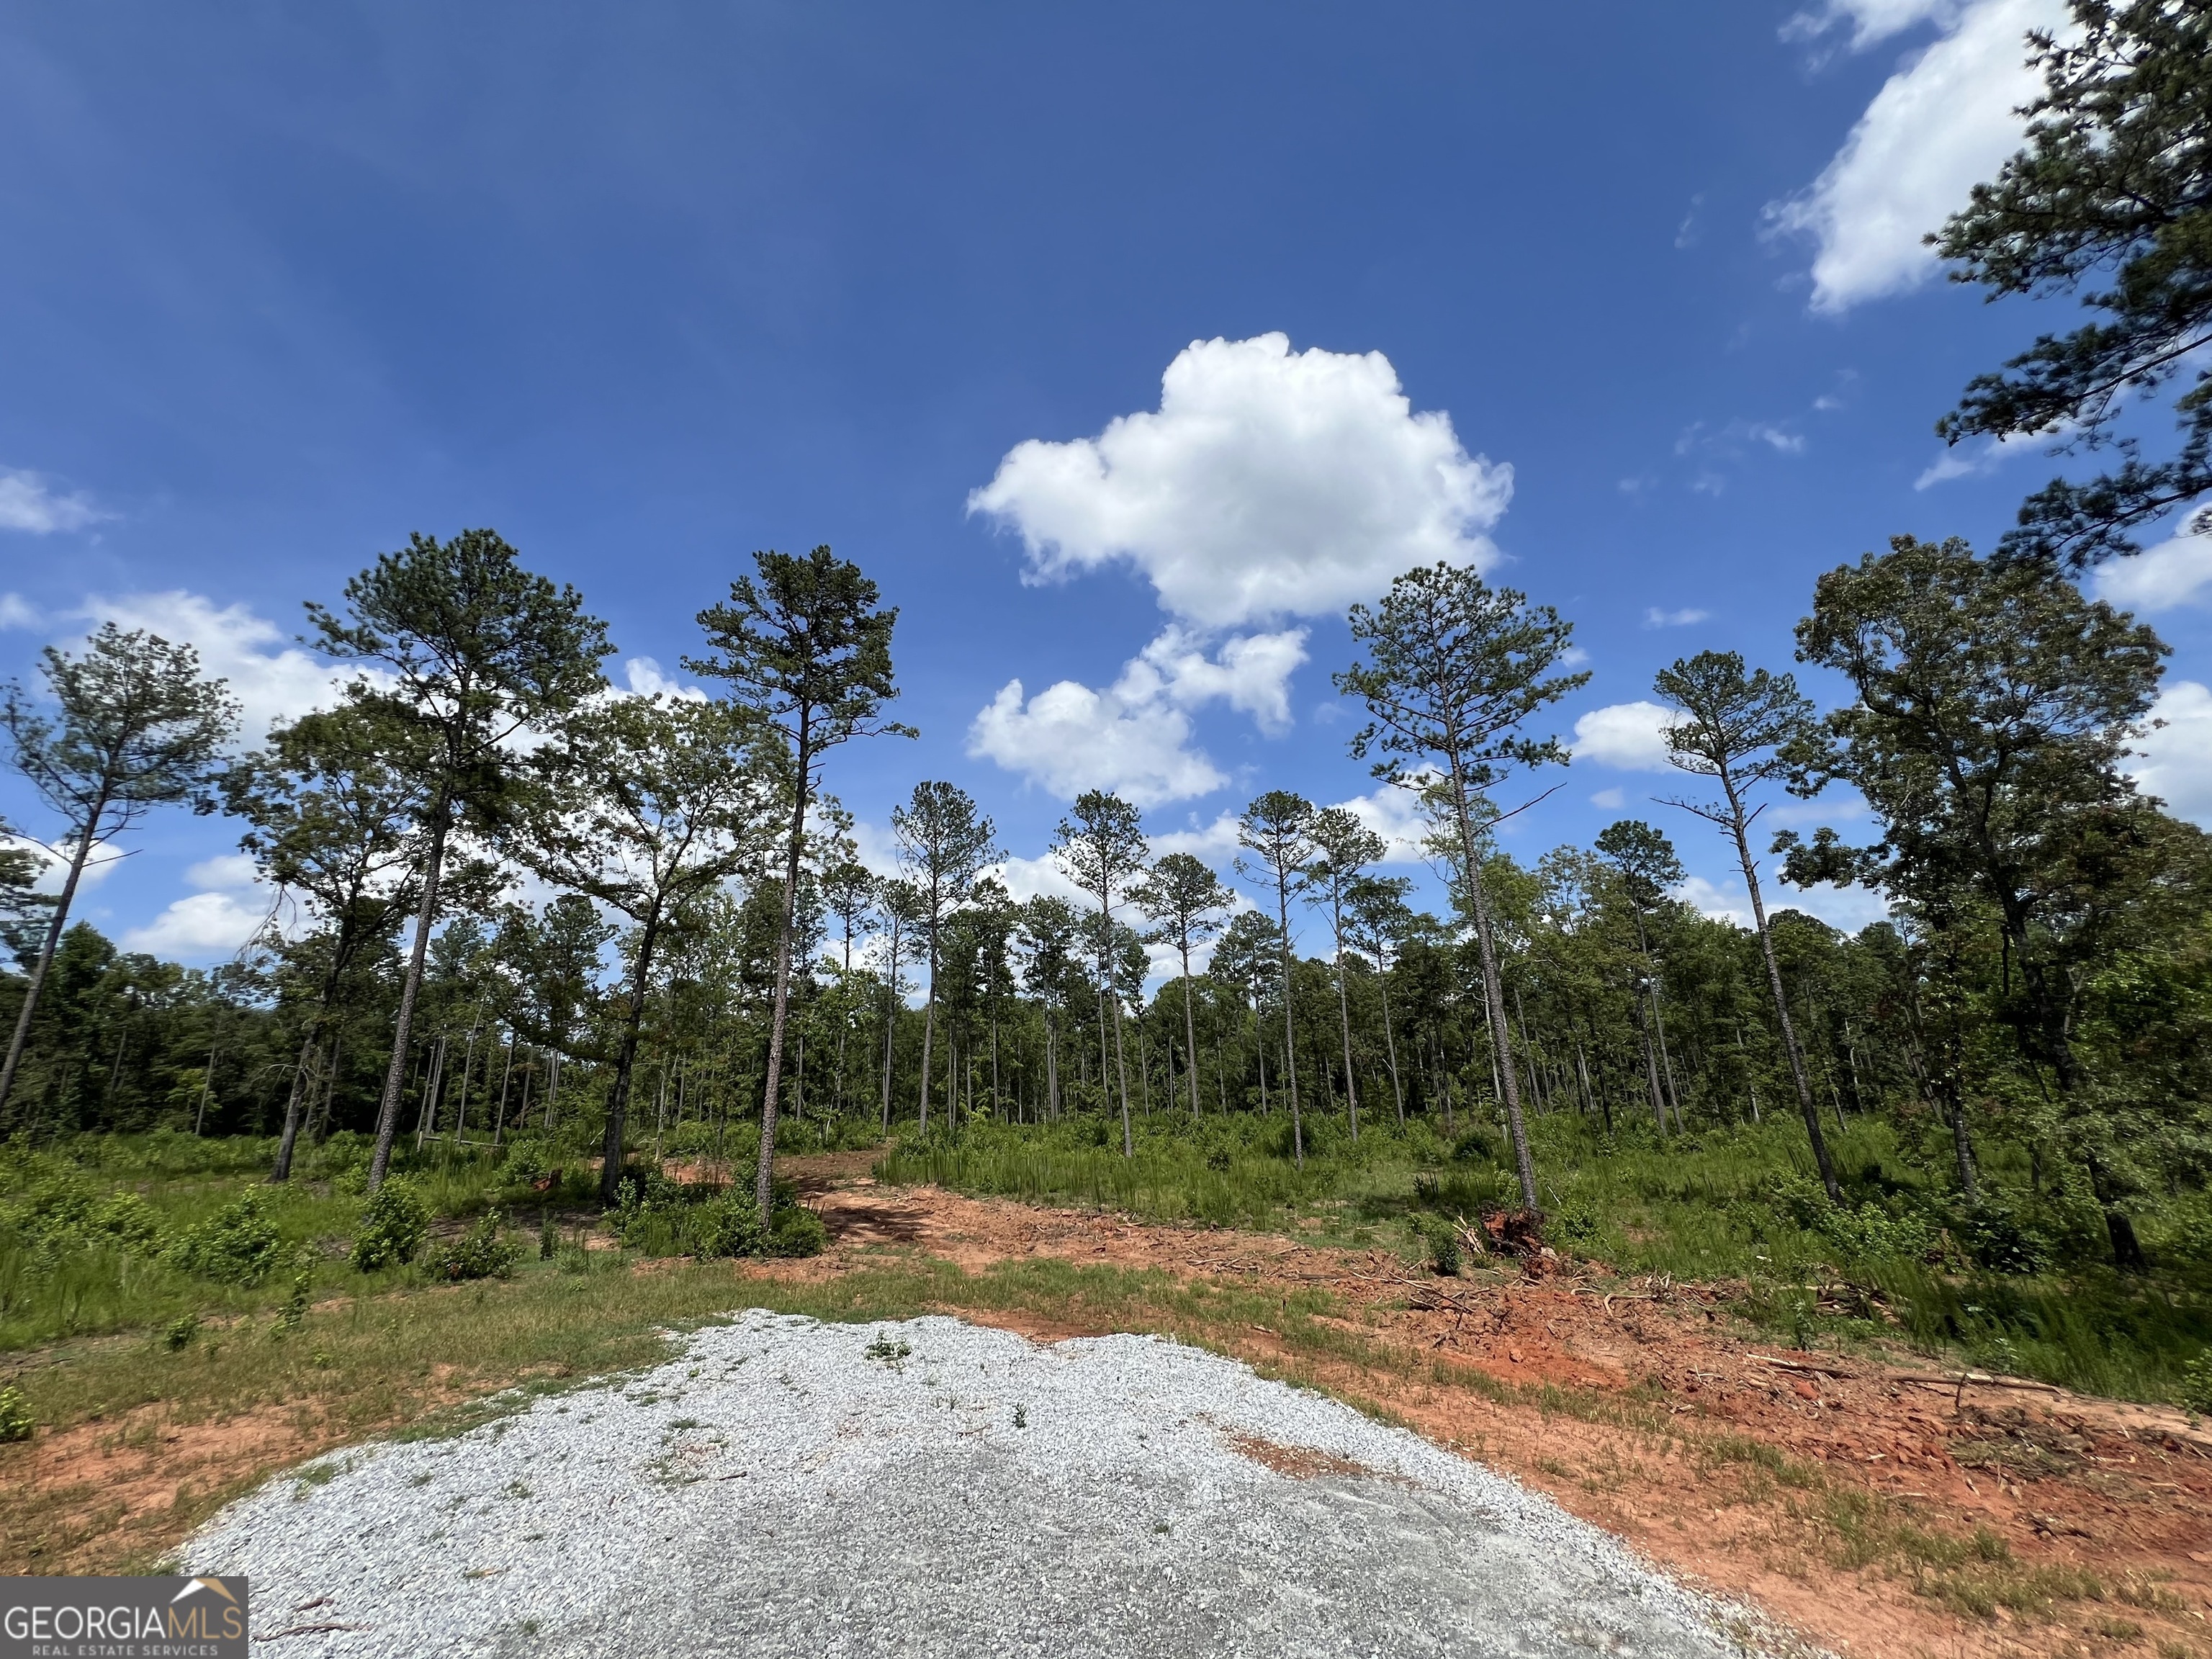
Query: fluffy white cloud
{"points": [[1250, 673], [1069, 737], [1135, 736], [644, 677], [2175, 761], [234, 645], [26, 504], [1395, 814], [2174, 573], [1631, 736], [1654, 617], [16, 612], [230, 907], [1269, 483], [1942, 123]]}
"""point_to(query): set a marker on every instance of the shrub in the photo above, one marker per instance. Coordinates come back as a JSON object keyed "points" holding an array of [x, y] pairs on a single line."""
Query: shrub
{"points": [[237, 1245], [1993, 1234], [393, 1225], [181, 1333], [129, 1220], [15, 1420], [526, 1164], [1443, 1248], [481, 1254], [798, 1232], [2197, 1383], [727, 1225], [294, 1311]]}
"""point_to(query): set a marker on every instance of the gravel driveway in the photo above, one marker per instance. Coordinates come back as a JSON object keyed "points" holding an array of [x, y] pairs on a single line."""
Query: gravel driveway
{"points": [[934, 1488]]}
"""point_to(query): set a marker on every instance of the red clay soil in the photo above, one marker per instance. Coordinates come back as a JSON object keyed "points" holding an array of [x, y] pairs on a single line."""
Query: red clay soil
{"points": [[1739, 1465]]}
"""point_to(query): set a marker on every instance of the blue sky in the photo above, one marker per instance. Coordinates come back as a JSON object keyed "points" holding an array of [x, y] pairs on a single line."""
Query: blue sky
{"points": [[647, 288]]}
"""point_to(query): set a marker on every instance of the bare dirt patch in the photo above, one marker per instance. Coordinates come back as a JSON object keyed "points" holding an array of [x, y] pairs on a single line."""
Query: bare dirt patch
{"points": [[1809, 1484]]}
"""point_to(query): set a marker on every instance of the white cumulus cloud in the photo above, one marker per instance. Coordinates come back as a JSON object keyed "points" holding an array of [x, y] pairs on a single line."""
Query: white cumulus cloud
{"points": [[1135, 737], [646, 678], [1656, 617], [1944, 123], [234, 645], [2163, 578], [2175, 759], [229, 907], [1631, 736], [28, 504], [1069, 737], [1269, 483]]}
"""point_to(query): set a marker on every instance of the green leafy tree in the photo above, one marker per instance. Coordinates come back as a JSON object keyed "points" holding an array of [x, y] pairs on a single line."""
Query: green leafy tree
{"points": [[907, 908], [1101, 847], [852, 893], [1185, 899], [1646, 862], [805, 650], [2115, 178], [1048, 938], [1277, 833], [1379, 922], [648, 803], [1343, 849], [1994, 707], [134, 726], [472, 650], [333, 815], [1736, 727], [945, 843], [554, 958], [1455, 669]]}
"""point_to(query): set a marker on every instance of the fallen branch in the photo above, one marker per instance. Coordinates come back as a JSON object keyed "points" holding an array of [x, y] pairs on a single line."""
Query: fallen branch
{"points": [[1973, 1379], [1806, 1366]]}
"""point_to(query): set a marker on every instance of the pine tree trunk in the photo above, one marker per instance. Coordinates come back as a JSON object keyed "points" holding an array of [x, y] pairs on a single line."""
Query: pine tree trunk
{"points": [[38, 970], [395, 1076]]}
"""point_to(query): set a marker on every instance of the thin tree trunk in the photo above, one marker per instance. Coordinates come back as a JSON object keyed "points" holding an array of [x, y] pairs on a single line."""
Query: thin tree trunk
{"points": [[395, 1075], [1494, 994], [1189, 1028], [1290, 1038], [611, 1156], [891, 1017], [506, 1077], [764, 1182], [468, 1060], [1343, 1018], [38, 970], [301, 1085], [1805, 1104], [1390, 1045]]}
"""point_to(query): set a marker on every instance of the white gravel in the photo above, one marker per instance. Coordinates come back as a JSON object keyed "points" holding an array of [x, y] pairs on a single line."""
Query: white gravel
{"points": [[776, 1490]]}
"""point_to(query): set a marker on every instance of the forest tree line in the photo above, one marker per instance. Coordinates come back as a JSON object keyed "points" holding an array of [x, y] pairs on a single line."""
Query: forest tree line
{"points": [[2041, 979]]}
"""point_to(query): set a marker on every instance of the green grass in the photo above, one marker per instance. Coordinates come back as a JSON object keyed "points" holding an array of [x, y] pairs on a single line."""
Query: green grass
{"points": [[1735, 1206]]}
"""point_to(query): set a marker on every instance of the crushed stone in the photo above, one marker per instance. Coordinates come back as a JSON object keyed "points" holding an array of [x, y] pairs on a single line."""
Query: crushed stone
{"points": [[786, 1487]]}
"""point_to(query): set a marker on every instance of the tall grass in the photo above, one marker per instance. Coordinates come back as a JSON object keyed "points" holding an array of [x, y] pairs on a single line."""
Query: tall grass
{"points": [[1738, 1205]]}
